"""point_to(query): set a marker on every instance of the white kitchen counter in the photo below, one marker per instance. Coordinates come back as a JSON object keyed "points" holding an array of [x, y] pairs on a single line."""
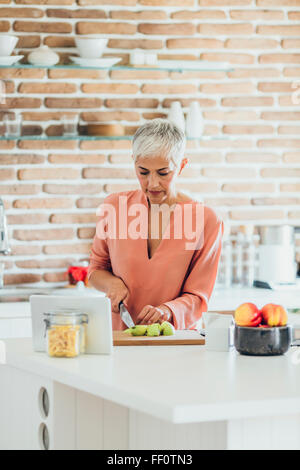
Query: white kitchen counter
{"points": [[154, 394]]}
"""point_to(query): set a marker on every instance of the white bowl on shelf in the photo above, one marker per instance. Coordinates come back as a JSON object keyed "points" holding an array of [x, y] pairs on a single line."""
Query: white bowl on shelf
{"points": [[101, 63], [7, 44], [10, 60], [90, 47]]}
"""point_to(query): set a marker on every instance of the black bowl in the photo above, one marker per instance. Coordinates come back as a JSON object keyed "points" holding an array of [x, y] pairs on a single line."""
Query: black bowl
{"points": [[273, 341]]}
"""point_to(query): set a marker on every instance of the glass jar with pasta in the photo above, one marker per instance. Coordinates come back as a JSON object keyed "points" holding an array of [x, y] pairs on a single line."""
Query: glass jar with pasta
{"points": [[65, 332]]}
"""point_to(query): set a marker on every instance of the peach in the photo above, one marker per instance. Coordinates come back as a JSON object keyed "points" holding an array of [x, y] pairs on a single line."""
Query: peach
{"points": [[274, 315], [247, 315]]}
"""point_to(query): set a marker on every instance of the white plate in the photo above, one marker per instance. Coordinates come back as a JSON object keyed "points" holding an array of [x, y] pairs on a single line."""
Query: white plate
{"points": [[193, 64], [106, 62], [10, 60]]}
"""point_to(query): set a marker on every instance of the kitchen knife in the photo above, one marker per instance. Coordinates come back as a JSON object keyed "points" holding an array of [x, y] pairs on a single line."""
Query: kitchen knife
{"points": [[125, 315]]}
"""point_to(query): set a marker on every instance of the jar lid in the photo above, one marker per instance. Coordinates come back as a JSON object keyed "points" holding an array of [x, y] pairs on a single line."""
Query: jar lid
{"points": [[67, 312]]}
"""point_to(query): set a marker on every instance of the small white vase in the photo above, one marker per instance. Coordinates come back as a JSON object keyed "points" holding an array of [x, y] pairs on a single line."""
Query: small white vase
{"points": [[194, 121], [43, 56], [176, 115]]}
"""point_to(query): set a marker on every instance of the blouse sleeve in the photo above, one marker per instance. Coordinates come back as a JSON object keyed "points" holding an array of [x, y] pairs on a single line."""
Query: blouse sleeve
{"points": [[201, 277], [99, 254]]}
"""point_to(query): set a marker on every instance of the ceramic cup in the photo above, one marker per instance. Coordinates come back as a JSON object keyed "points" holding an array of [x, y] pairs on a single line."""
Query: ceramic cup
{"points": [[90, 47], [7, 44]]}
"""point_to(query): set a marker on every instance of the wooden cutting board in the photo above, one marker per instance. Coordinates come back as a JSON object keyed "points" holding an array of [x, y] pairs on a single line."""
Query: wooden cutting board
{"points": [[181, 337]]}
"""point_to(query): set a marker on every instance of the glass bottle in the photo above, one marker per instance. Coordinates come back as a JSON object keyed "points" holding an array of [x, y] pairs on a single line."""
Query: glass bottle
{"points": [[65, 332]]}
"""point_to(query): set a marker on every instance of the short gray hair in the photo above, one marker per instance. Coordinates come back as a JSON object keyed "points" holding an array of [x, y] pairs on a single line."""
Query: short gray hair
{"points": [[159, 137]]}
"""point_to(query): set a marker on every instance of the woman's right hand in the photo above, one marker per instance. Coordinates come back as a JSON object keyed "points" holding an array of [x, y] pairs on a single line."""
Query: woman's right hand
{"points": [[117, 293]]}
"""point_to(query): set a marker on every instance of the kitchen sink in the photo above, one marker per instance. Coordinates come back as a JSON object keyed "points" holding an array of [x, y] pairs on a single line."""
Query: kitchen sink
{"points": [[22, 294]]}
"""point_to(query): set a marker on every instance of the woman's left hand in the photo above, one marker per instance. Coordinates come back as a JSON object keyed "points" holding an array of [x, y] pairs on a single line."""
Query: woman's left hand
{"points": [[150, 314]]}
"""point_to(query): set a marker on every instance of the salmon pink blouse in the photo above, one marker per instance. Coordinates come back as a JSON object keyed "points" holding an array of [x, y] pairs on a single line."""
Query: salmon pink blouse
{"points": [[178, 275]]}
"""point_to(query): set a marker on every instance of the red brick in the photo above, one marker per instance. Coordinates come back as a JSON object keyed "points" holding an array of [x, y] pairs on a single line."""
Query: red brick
{"points": [[42, 27], [79, 248], [131, 103], [18, 189], [29, 42], [225, 29], [27, 219], [44, 145], [95, 173], [279, 143], [228, 57], [248, 101], [224, 3], [75, 73], [167, 3], [55, 277], [73, 102], [43, 203], [21, 13], [21, 159], [138, 15], [78, 218], [88, 159], [281, 116], [25, 250], [247, 129], [279, 59], [252, 157], [254, 215], [282, 30], [72, 189], [89, 202], [7, 174], [256, 14], [105, 28], [43, 2], [199, 15], [46, 88], [105, 116], [135, 44], [194, 43], [25, 278], [254, 73], [42, 264], [229, 173], [53, 234], [14, 103], [251, 43], [108, 88], [48, 173], [86, 233], [185, 29], [81, 13], [107, 2]]}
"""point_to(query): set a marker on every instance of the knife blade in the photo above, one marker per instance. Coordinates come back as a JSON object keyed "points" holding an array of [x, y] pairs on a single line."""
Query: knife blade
{"points": [[125, 315]]}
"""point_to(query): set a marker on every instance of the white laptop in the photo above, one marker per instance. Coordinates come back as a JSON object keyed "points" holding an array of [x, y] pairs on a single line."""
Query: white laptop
{"points": [[98, 309]]}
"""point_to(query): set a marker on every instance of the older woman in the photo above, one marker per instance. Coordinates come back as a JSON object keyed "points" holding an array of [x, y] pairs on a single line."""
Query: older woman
{"points": [[157, 276]]}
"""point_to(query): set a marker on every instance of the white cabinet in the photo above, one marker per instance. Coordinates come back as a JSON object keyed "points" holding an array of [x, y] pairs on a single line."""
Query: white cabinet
{"points": [[15, 320]]}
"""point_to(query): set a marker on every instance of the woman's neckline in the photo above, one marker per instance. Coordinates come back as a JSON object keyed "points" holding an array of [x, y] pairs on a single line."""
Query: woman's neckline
{"points": [[175, 203]]}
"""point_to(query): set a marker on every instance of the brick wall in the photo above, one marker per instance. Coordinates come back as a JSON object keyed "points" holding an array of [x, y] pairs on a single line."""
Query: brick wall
{"points": [[51, 189]]}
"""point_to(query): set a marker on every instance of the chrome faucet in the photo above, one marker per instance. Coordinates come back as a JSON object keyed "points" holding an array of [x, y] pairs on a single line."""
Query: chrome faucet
{"points": [[4, 244]]}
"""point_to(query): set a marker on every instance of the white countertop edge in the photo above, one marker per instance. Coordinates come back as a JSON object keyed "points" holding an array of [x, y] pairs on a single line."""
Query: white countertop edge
{"points": [[178, 414], [236, 410]]}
